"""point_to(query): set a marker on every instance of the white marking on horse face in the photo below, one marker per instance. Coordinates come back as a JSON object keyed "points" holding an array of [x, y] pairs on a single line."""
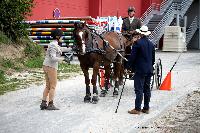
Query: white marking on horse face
{"points": [[81, 34], [83, 48], [83, 42]]}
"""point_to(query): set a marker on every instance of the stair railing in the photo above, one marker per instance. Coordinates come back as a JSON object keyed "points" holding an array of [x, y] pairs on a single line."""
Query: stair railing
{"points": [[148, 14], [191, 30], [164, 5], [184, 6], [168, 18]]}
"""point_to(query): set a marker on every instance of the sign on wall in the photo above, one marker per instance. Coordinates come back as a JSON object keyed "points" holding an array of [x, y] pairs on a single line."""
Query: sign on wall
{"points": [[56, 13]]}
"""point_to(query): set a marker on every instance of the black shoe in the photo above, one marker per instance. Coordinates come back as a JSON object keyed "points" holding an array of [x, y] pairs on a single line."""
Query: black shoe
{"points": [[51, 106], [87, 98], [43, 105]]}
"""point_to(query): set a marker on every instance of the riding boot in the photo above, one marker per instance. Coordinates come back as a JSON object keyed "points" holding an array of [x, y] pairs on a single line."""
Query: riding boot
{"points": [[87, 97], [43, 105], [95, 97], [51, 106]]}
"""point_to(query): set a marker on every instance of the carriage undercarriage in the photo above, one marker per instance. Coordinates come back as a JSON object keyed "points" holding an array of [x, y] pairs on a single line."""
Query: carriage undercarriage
{"points": [[155, 79]]}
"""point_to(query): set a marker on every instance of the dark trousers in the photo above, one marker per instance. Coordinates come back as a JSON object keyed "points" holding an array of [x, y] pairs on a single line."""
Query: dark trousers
{"points": [[142, 85]]}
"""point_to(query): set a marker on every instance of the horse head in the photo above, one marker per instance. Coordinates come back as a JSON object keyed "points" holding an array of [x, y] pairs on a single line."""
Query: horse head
{"points": [[81, 34], [131, 40]]}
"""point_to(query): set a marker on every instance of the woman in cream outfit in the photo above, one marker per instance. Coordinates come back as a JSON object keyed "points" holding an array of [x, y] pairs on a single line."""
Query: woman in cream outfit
{"points": [[50, 66]]}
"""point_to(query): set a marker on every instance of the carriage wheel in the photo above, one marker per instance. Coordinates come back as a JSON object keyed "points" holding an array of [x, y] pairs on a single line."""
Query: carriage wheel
{"points": [[158, 73], [152, 81]]}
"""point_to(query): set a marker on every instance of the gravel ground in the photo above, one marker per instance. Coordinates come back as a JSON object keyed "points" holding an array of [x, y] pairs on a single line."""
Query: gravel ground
{"points": [[171, 111], [183, 118]]}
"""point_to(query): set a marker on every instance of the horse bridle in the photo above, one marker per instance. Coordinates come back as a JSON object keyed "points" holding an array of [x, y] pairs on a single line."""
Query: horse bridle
{"points": [[76, 49]]}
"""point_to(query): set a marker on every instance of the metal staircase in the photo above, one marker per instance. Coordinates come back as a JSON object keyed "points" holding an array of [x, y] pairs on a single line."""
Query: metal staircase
{"points": [[157, 20], [191, 30], [147, 16]]}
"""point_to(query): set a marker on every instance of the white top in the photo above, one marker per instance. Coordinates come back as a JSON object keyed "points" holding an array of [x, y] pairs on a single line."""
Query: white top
{"points": [[53, 55], [131, 19]]}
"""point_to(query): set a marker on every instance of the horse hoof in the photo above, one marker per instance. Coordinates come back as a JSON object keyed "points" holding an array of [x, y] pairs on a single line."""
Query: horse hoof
{"points": [[95, 99], [87, 99], [115, 93], [103, 93]]}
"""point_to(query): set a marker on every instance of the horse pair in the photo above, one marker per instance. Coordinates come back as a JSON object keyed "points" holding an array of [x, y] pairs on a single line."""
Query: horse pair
{"points": [[94, 50]]}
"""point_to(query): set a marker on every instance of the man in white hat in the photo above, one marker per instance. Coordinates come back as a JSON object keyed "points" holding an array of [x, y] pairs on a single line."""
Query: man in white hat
{"points": [[141, 61]]}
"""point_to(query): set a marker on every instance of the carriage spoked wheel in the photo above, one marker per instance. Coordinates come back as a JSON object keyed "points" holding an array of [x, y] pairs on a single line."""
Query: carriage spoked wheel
{"points": [[152, 80], [157, 75]]}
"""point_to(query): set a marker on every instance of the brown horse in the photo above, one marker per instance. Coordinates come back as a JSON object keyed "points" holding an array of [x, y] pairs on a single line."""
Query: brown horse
{"points": [[94, 50]]}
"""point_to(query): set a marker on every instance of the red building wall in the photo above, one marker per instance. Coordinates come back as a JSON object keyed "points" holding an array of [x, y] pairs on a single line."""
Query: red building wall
{"points": [[44, 8], [78, 8], [119, 7]]}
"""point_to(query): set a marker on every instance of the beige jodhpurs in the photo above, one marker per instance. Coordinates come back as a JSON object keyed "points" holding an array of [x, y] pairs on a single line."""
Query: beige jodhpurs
{"points": [[51, 82]]}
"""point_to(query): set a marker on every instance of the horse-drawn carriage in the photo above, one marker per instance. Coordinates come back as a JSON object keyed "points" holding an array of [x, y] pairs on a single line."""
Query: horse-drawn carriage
{"points": [[104, 53]]}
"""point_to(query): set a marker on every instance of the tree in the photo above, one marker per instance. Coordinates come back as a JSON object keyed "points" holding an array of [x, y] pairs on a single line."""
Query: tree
{"points": [[12, 16]]}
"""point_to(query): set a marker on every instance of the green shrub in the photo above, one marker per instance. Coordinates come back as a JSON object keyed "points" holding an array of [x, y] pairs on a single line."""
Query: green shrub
{"points": [[8, 87], [4, 39], [68, 68], [32, 50], [35, 62], [8, 63], [12, 15], [2, 77]]}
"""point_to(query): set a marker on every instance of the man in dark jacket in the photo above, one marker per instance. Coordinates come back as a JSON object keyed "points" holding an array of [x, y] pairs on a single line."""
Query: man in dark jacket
{"points": [[131, 23], [141, 61]]}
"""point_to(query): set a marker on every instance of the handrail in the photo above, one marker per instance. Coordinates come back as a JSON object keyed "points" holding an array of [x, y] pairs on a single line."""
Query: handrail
{"points": [[167, 19], [185, 4], [164, 5], [148, 14], [191, 30]]}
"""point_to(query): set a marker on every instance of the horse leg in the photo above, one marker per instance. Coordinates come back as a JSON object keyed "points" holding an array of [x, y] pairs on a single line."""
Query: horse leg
{"points": [[95, 97], [117, 73], [121, 76], [107, 77], [87, 97]]}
